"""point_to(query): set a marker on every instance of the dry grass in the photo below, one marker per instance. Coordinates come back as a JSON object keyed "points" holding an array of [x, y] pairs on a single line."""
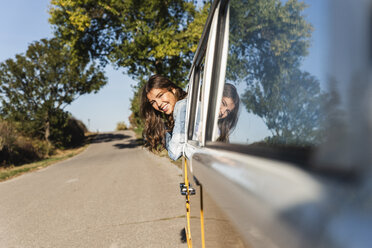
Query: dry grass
{"points": [[13, 171], [60, 155]]}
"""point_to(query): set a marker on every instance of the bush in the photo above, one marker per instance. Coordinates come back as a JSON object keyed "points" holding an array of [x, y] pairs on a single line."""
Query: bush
{"points": [[8, 137], [76, 130], [121, 126], [17, 149], [67, 131], [7, 134], [19, 145]]}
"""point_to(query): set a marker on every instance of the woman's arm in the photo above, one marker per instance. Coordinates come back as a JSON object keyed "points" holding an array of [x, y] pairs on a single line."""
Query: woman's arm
{"points": [[175, 142]]}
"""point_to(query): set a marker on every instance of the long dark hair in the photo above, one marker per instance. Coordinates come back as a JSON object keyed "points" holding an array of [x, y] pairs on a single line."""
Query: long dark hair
{"points": [[226, 125], [157, 123]]}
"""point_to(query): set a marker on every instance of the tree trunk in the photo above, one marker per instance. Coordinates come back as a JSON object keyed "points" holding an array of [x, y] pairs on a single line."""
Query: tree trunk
{"points": [[47, 130], [46, 135]]}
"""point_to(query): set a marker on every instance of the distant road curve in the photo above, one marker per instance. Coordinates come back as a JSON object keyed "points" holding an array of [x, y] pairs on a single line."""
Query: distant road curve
{"points": [[114, 194]]}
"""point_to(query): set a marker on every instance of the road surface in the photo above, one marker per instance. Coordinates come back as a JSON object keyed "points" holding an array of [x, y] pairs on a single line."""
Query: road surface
{"points": [[114, 194]]}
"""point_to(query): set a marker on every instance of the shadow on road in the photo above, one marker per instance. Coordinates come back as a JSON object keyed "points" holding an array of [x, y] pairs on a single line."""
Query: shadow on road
{"points": [[107, 137], [132, 144], [183, 235]]}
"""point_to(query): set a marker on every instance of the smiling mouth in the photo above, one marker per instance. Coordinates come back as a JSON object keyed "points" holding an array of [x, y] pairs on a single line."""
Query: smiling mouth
{"points": [[164, 108]]}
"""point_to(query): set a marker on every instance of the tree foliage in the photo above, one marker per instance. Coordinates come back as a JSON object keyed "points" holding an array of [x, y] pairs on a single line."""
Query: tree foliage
{"points": [[35, 87], [292, 112], [143, 36], [268, 41]]}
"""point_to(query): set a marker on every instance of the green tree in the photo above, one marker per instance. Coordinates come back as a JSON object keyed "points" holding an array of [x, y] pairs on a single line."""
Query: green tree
{"points": [[143, 36], [268, 41], [292, 112], [37, 85], [267, 38]]}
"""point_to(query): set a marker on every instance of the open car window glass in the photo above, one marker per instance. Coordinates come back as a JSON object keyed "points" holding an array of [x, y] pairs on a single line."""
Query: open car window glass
{"points": [[276, 67], [302, 73], [194, 130]]}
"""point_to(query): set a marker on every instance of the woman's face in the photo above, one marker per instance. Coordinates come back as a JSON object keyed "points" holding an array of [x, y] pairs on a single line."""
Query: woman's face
{"points": [[162, 100], [227, 106]]}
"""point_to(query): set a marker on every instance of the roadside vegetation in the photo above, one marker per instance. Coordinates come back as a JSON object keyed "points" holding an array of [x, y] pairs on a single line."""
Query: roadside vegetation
{"points": [[20, 153], [35, 87], [11, 171], [120, 126], [16, 148]]}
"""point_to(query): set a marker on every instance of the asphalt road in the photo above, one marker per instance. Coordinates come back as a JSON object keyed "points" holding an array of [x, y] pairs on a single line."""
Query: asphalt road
{"points": [[114, 194]]}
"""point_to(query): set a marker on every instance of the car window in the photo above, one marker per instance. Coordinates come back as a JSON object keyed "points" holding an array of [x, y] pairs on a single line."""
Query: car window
{"points": [[201, 82], [277, 63], [194, 130]]}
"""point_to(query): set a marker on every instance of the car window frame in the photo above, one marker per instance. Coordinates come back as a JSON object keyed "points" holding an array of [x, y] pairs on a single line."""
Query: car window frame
{"points": [[213, 46], [205, 52]]}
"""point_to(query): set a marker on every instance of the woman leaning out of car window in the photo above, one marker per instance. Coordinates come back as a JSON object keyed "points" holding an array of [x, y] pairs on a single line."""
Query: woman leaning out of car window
{"points": [[163, 107]]}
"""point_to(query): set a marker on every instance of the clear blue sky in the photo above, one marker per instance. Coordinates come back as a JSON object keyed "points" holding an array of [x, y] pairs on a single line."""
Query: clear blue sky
{"points": [[25, 21]]}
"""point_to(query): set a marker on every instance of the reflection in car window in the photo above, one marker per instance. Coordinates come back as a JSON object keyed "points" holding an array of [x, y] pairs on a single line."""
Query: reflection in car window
{"points": [[276, 61], [228, 113]]}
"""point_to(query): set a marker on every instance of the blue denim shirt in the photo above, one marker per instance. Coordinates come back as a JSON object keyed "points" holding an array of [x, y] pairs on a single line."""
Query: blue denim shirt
{"points": [[175, 142]]}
